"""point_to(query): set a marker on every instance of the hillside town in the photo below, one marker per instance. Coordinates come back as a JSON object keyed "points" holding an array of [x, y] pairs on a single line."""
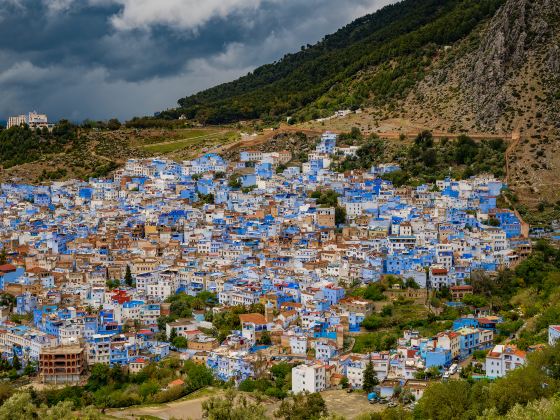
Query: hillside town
{"points": [[92, 272]]}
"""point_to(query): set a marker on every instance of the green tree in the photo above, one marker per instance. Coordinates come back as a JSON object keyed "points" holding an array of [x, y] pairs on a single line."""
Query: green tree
{"points": [[327, 198], [206, 198], [172, 335], [232, 406], [425, 139], [519, 387], [281, 370], [387, 310], [113, 124], [541, 409], [370, 378], [99, 377], [475, 300], [302, 406], [234, 182], [339, 215], [18, 407], [16, 363], [445, 401], [373, 291], [128, 277], [6, 391], [281, 168], [265, 338], [411, 283], [30, 368], [372, 322], [62, 410], [7, 300], [180, 342], [198, 376], [3, 256], [148, 388], [112, 284]]}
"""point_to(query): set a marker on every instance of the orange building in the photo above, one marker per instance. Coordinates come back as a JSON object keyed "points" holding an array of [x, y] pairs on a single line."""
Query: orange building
{"points": [[62, 364]]}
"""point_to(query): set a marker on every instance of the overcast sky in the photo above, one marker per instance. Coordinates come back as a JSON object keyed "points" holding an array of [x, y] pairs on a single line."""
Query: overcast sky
{"points": [[99, 59]]}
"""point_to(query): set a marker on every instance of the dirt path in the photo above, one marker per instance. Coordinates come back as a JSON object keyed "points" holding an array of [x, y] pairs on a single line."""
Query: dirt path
{"points": [[515, 138]]}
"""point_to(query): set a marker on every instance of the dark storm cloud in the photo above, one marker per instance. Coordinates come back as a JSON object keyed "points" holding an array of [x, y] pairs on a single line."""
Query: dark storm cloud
{"points": [[103, 58]]}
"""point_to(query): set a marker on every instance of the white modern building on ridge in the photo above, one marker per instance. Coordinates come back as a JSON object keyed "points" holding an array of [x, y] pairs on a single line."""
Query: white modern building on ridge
{"points": [[32, 119]]}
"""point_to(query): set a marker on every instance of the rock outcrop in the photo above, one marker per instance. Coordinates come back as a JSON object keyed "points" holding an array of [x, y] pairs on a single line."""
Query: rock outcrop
{"points": [[509, 80]]}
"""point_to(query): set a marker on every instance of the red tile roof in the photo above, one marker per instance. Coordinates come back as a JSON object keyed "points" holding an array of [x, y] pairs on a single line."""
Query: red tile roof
{"points": [[458, 288], [252, 318], [176, 382], [7, 268]]}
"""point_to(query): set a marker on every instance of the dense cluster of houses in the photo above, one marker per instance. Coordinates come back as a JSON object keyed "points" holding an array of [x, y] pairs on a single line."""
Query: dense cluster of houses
{"points": [[249, 232], [405, 366]]}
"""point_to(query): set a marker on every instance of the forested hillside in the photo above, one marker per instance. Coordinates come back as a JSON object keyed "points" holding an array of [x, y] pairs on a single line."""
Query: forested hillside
{"points": [[40, 155], [21, 145], [399, 42]]}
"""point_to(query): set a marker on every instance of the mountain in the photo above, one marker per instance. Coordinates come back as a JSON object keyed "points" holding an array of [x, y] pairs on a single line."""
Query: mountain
{"points": [[506, 80], [489, 68], [371, 61], [486, 66]]}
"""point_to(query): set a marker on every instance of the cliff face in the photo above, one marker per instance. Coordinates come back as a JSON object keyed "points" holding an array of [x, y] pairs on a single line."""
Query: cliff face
{"points": [[522, 36], [506, 81]]}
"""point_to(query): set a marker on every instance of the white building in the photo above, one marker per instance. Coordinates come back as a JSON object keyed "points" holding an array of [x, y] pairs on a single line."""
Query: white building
{"points": [[298, 344], [503, 358], [159, 291], [355, 374], [553, 334], [32, 119], [99, 349], [181, 327], [310, 378], [71, 332], [16, 121]]}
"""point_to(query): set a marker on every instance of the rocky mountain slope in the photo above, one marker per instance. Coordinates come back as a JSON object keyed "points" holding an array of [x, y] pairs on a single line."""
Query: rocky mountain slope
{"points": [[507, 80]]}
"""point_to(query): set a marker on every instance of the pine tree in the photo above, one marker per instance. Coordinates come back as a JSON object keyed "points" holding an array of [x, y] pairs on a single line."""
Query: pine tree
{"points": [[3, 257], [370, 378], [128, 277], [172, 335], [16, 364]]}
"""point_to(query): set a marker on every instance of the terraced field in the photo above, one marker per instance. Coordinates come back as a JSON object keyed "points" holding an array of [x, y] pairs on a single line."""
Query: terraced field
{"points": [[191, 140]]}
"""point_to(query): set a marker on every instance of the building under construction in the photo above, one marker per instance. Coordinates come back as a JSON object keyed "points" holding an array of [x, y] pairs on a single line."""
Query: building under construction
{"points": [[62, 364]]}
